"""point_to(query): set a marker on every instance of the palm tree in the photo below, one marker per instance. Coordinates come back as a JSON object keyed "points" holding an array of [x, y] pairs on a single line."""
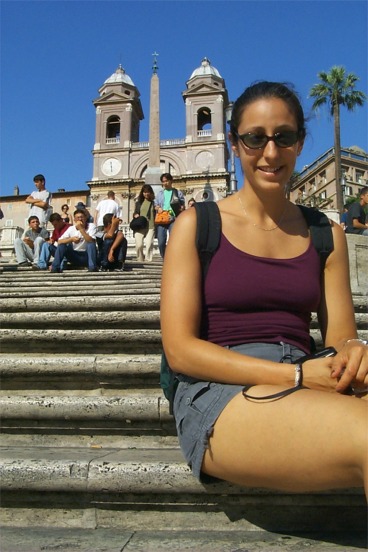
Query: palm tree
{"points": [[337, 88]]}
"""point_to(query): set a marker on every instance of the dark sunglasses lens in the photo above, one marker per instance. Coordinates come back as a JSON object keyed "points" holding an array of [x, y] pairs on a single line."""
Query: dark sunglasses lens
{"points": [[283, 139], [286, 139], [254, 141]]}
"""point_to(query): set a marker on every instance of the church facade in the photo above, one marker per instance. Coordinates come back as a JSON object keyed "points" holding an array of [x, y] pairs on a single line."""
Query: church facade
{"points": [[198, 162]]}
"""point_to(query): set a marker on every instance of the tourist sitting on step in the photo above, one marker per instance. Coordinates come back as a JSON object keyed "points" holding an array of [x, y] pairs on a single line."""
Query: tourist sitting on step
{"points": [[78, 245], [248, 408], [27, 248], [112, 246], [48, 248], [356, 219]]}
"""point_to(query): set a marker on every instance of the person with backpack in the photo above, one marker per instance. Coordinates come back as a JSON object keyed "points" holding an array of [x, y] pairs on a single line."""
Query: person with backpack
{"points": [[254, 404], [171, 202], [144, 211]]}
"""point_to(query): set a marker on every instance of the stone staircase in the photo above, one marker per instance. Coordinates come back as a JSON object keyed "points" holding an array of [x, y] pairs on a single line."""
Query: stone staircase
{"points": [[87, 440]]}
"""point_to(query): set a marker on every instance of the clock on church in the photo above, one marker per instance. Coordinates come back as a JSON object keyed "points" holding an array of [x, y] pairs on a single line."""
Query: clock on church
{"points": [[111, 166]]}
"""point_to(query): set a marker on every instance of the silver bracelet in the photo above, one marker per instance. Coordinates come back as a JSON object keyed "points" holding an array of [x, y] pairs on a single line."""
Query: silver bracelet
{"points": [[363, 341], [298, 375]]}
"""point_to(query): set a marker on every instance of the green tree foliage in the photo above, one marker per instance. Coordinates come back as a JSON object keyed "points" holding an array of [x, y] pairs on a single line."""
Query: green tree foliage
{"points": [[334, 89]]}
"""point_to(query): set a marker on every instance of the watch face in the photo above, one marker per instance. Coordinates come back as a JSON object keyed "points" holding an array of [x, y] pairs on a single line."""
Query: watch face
{"points": [[111, 166]]}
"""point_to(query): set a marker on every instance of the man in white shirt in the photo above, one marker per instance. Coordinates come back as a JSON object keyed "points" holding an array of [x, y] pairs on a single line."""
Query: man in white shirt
{"points": [[78, 244], [105, 207], [40, 200]]}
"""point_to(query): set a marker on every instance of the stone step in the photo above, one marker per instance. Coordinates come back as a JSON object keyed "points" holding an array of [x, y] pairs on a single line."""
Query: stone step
{"points": [[139, 302], [21, 371], [78, 277], [91, 290], [73, 320], [124, 486], [113, 341], [88, 437], [149, 539], [127, 407]]}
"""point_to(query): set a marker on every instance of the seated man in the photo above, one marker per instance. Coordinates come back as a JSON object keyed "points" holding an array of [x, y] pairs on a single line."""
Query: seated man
{"points": [[27, 248], [49, 247], [78, 244], [356, 217], [113, 245]]}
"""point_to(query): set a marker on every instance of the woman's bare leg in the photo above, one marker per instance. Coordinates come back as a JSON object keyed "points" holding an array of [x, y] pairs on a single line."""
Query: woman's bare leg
{"points": [[306, 441]]}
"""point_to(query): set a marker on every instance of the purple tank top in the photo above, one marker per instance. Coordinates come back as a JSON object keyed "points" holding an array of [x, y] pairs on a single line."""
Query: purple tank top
{"points": [[251, 299]]}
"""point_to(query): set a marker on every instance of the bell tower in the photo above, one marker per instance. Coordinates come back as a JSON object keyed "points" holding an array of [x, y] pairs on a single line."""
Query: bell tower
{"points": [[118, 116], [206, 100]]}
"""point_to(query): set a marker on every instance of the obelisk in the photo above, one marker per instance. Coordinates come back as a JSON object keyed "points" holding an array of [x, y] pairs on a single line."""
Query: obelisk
{"points": [[153, 171]]}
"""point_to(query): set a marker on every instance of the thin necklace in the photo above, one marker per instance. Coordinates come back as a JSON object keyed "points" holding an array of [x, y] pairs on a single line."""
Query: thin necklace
{"points": [[261, 227]]}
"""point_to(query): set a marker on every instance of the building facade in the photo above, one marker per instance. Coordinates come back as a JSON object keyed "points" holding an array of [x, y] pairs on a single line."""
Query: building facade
{"points": [[316, 184], [198, 161]]}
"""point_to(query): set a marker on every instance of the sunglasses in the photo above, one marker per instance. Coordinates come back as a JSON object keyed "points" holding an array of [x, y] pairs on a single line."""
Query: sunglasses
{"points": [[283, 139]]}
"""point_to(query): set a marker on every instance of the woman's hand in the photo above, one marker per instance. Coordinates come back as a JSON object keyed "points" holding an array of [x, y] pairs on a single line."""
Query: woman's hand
{"points": [[317, 374], [350, 366]]}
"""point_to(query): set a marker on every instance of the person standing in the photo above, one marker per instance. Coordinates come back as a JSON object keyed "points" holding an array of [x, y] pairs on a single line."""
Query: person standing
{"points": [[144, 207], [356, 217], [80, 206], [28, 247], [40, 200], [106, 206], [65, 213], [171, 200], [78, 244]]}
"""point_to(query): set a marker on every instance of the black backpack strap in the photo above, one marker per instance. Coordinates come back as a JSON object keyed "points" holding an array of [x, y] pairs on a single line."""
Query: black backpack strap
{"points": [[320, 230], [208, 232]]}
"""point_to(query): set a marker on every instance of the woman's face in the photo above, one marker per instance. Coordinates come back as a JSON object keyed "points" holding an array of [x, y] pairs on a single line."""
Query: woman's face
{"points": [[147, 195], [270, 166]]}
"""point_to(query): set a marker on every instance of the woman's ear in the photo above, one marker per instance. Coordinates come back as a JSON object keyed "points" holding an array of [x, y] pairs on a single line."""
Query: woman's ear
{"points": [[300, 147], [234, 145]]}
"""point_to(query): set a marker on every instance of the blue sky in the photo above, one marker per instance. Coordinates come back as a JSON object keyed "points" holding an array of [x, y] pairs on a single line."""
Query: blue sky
{"points": [[56, 54]]}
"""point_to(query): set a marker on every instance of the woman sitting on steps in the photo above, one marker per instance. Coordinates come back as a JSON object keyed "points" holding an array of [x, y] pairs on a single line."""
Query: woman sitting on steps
{"points": [[236, 340]]}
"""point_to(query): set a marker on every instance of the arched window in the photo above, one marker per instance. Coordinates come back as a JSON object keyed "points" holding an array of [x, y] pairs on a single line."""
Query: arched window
{"points": [[113, 130], [204, 122]]}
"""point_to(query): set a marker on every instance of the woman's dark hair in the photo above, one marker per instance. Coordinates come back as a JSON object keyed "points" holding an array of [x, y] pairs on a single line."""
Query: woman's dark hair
{"points": [[146, 188], [265, 89], [65, 205]]}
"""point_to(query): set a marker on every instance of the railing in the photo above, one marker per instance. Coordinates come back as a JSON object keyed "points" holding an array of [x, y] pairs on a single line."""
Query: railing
{"points": [[163, 143], [202, 133], [313, 201], [113, 140]]}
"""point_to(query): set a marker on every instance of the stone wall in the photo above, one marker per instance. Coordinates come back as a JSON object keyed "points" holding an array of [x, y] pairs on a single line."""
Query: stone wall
{"points": [[358, 259]]}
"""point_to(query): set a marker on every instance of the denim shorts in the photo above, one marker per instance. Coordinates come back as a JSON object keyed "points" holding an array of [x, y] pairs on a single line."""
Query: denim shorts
{"points": [[198, 404]]}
